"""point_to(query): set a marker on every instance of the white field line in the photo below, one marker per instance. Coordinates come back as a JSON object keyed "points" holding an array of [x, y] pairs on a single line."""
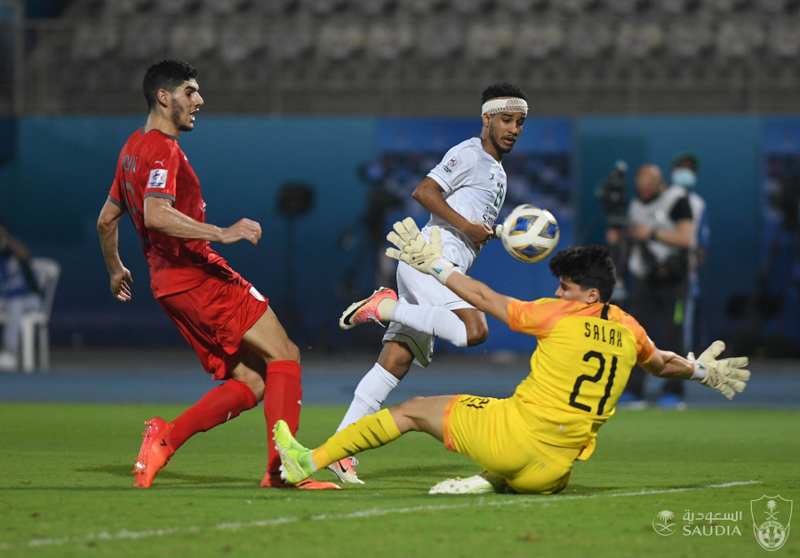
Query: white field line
{"points": [[373, 512]]}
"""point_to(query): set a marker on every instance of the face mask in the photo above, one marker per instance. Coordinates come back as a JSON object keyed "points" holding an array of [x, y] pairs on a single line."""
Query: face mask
{"points": [[684, 177]]}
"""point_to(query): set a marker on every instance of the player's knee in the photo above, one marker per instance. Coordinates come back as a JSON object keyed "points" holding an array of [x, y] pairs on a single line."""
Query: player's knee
{"points": [[250, 379], [289, 351], [258, 389], [396, 363], [477, 333], [407, 415]]}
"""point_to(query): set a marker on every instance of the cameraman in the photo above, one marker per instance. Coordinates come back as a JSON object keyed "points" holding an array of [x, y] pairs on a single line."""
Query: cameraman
{"points": [[659, 235]]}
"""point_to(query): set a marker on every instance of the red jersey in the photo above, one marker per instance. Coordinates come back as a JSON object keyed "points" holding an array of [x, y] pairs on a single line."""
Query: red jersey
{"points": [[153, 165]]}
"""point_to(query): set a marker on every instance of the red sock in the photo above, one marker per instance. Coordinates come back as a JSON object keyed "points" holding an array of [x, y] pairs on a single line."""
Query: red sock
{"points": [[219, 405], [282, 397]]}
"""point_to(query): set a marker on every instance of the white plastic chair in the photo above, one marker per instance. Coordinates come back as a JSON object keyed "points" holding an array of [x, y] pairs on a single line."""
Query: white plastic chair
{"points": [[47, 272]]}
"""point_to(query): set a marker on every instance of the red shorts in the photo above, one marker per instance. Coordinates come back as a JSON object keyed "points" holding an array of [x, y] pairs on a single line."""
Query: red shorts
{"points": [[213, 317]]}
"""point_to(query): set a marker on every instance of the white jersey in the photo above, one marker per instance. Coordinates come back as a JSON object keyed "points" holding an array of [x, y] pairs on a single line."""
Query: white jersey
{"points": [[474, 185]]}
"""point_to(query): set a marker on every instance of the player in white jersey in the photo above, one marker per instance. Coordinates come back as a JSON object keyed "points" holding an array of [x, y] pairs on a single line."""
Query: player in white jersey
{"points": [[464, 194]]}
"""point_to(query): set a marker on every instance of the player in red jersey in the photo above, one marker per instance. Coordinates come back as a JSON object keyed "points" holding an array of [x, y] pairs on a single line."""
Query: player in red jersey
{"points": [[223, 317]]}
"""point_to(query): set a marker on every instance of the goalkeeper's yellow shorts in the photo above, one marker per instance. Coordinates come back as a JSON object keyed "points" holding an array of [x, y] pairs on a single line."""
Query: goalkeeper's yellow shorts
{"points": [[491, 432]]}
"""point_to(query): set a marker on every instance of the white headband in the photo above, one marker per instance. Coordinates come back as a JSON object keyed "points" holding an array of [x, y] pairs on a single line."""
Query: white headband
{"points": [[511, 104]]}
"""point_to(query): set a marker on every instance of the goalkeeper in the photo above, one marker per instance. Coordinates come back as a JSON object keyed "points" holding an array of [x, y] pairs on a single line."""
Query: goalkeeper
{"points": [[529, 442]]}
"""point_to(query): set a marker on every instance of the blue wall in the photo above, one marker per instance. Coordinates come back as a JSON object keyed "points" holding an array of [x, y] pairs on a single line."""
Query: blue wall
{"points": [[53, 188]]}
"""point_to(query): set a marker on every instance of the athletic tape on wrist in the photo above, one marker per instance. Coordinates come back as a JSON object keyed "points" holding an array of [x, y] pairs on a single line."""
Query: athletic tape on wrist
{"points": [[700, 371], [441, 269]]}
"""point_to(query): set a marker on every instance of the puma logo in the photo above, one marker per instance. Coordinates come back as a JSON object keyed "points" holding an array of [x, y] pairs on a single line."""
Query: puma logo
{"points": [[161, 162]]}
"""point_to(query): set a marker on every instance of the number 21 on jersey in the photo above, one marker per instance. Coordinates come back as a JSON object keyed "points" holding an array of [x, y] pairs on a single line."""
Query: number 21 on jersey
{"points": [[598, 377]]}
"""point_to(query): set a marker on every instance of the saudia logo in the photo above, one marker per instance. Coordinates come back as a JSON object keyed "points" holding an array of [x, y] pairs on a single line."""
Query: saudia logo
{"points": [[664, 524], [772, 516]]}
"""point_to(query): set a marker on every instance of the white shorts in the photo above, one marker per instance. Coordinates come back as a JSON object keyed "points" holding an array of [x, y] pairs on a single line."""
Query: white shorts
{"points": [[414, 287]]}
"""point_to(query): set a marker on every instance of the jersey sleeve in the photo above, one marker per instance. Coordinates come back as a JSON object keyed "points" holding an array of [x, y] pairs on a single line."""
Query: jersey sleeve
{"points": [[681, 210], [115, 193], [538, 317], [162, 172], [645, 348], [455, 170]]}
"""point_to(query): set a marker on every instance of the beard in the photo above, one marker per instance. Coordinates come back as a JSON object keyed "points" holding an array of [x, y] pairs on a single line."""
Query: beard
{"points": [[501, 148], [496, 141], [177, 117]]}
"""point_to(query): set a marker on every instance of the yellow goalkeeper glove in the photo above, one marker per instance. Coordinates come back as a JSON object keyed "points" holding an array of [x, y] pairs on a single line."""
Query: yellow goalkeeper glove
{"points": [[413, 250], [727, 376]]}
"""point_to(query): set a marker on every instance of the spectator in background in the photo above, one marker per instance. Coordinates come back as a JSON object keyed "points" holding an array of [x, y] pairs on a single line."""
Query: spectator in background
{"points": [[684, 174], [660, 233], [19, 293]]}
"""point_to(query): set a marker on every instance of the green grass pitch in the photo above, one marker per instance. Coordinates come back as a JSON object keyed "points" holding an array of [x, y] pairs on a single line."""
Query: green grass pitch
{"points": [[65, 490]]}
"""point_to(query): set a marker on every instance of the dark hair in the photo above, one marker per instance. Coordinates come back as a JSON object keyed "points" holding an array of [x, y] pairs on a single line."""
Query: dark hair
{"points": [[502, 90], [167, 74], [686, 156], [589, 267]]}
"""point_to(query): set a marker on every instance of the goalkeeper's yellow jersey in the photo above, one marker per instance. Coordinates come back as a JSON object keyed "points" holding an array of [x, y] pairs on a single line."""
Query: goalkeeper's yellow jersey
{"points": [[583, 360]]}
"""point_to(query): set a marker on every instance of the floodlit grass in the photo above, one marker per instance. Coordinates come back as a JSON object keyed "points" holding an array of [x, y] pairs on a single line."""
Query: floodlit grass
{"points": [[66, 489]]}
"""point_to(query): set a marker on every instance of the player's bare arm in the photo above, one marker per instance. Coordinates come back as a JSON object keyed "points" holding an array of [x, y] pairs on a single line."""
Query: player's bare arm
{"points": [[681, 236], [426, 257], [160, 216], [726, 375], [480, 296], [108, 231], [430, 196], [666, 364]]}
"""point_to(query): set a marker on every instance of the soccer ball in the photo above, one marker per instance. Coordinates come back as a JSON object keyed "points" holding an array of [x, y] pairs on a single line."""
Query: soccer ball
{"points": [[529, 233]]}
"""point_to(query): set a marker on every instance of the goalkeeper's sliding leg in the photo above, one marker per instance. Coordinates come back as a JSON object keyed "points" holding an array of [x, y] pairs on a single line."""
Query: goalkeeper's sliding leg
{"points": [[424, 310], [465, 424]]}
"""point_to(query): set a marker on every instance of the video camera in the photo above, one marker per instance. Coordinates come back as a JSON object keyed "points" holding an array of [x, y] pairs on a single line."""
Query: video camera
{"points": [[612, 194]]}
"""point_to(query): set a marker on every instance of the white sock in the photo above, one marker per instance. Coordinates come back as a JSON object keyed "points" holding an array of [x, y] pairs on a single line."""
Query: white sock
{"points": [[433, 320], [371, 392]]}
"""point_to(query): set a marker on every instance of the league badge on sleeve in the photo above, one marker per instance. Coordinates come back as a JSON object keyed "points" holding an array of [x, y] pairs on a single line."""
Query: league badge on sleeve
{"points": [[158, 178], [450, 164]]}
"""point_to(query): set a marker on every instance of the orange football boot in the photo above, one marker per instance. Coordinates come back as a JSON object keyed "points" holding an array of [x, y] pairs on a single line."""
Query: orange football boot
{"points": [[275, 481], [155, 452], [366, 310]]}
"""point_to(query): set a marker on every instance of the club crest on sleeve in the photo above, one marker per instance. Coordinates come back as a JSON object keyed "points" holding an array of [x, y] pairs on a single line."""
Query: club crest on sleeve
{"points": [[158, 178]]}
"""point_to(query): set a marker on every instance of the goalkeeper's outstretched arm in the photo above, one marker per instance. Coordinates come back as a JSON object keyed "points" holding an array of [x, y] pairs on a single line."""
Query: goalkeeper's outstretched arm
{"points": [[480, 296], [426, 257], [666, 364], [727, 375]]}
